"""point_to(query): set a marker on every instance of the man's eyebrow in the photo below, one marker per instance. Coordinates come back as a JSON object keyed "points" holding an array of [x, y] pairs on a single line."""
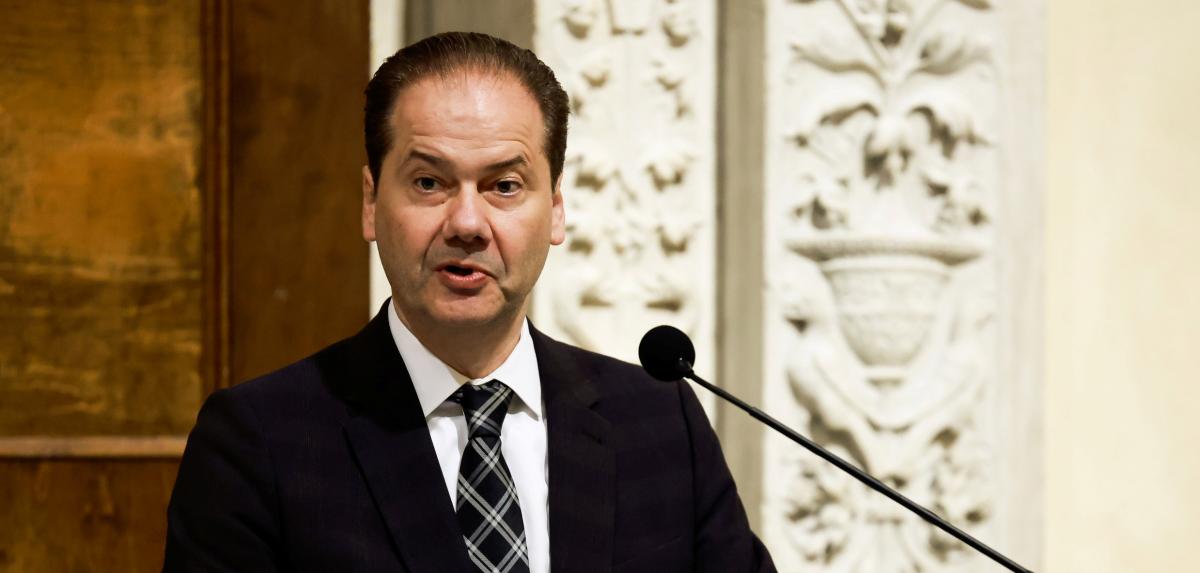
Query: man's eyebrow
{"points": [[427, 158], [441, 162], [507, 163]]}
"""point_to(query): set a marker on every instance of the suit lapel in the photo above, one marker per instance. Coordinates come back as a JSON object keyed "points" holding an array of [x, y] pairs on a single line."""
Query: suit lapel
{"points": [[391, 443], [582, 466]]}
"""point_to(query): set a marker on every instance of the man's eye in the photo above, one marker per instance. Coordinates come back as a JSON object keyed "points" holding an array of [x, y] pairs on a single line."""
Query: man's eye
{"points": [[508, 186], [426, 183]]}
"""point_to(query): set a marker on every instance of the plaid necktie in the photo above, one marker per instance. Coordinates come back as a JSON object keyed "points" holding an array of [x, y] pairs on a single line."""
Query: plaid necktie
{"points": [[488, 511]]}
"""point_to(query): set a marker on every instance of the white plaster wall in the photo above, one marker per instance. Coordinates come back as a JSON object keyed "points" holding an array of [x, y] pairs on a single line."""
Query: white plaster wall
{"points": [[1123, 273]]}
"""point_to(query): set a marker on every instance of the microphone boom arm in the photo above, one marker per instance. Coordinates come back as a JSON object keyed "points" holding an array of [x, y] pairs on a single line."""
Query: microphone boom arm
{"points": [[685, 368]]}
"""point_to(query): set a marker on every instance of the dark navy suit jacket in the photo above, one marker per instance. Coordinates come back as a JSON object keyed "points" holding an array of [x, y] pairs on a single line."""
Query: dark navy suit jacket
{"points": [[327, 465]]}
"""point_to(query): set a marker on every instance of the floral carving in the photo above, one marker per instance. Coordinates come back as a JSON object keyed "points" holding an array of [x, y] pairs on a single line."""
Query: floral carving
{"points": [[882, 122], [579, 16], [819, 507], [638, 181], [679, 23], [892, 110]]}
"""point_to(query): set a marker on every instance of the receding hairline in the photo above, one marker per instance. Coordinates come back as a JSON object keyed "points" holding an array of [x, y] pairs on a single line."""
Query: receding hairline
{"points": [[465, 73]]}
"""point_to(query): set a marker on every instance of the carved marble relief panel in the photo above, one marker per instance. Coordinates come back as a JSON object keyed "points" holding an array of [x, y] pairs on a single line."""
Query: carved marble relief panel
{"points": [[883, 157], [639, 183]]}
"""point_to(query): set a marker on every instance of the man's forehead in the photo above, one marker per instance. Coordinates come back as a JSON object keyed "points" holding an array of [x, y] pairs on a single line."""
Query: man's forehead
{"points": [[478, 111], [476, 97]]}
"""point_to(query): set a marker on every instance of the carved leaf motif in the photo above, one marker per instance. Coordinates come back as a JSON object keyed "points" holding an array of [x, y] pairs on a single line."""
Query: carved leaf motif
{"points": [[891, 135], [596, 68], [833, 53], [580, 96], [678, 228], [899, 16], [585, 228], [595, 166], [831, 103], [960, 480], [892, 141], [598, 290], [668, 164], [950, 112], [869, 15], [951, 51], [628, 229], [679, 24], [629, 15], [662, 290], [960, 192], [822, 200], [669, 74], [797, 305], [579, 16], [817, 504]]}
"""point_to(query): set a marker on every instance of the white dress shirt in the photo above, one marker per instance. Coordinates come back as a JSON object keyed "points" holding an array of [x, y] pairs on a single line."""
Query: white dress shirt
{"points": [[522, 437]]}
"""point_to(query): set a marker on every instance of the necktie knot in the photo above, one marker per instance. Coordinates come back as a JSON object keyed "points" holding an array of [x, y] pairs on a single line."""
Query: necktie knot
{"points": [[484, 406]]}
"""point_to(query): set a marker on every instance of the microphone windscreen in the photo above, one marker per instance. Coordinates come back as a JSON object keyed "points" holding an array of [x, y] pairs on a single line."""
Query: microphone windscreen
{"points": [[661, 349]]}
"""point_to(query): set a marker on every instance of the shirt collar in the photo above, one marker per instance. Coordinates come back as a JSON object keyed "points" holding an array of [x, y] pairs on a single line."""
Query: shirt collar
{"points": [[435, 381]]}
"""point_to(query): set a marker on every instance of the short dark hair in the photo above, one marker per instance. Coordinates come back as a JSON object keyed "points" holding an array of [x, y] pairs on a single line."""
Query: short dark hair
{"points": [[452, 52]]}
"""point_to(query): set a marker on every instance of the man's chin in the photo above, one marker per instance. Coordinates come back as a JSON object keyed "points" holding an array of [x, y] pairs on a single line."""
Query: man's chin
{"points": [[438, 310], [463, 314]]}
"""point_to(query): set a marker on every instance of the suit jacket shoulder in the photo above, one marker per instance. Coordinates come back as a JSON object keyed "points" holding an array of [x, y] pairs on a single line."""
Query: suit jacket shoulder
{"points": [[637, 478], [323, 465]]}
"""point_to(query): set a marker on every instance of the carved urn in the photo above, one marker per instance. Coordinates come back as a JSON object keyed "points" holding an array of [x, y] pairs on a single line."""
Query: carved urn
{"points": [[887, 291]]}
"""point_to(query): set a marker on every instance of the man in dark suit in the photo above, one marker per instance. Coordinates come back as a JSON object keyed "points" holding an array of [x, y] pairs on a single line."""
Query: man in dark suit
{"points": [[449, 435]]}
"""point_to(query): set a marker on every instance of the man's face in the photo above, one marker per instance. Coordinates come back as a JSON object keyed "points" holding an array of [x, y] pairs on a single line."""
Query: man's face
{"points": [[464, 211]]}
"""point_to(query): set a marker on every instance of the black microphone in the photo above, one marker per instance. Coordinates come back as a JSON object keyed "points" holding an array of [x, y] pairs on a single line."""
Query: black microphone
{"points": [[668, 354]]}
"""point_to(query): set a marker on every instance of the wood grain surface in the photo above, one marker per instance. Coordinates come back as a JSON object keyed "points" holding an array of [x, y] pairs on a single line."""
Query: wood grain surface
{"points": [[100, 217], [179, 206], [84, 516], [299, 263]]}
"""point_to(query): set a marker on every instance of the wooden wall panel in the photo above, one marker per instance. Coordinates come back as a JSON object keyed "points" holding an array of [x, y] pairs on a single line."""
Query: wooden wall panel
{"points": [[299, 266], [100, 217], [83, 515], [175, 197]]}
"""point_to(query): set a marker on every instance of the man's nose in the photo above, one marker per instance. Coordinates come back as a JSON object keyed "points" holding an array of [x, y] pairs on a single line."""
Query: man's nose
{"points": [[466, 217]]}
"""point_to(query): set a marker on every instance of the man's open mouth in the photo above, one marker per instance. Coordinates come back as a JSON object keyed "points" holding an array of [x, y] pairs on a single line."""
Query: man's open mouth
{"points": [[460, 271]]}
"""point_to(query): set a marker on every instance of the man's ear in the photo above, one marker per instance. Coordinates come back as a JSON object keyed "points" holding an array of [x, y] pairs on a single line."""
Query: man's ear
{"points": [[558, 216], [368, 204]]}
